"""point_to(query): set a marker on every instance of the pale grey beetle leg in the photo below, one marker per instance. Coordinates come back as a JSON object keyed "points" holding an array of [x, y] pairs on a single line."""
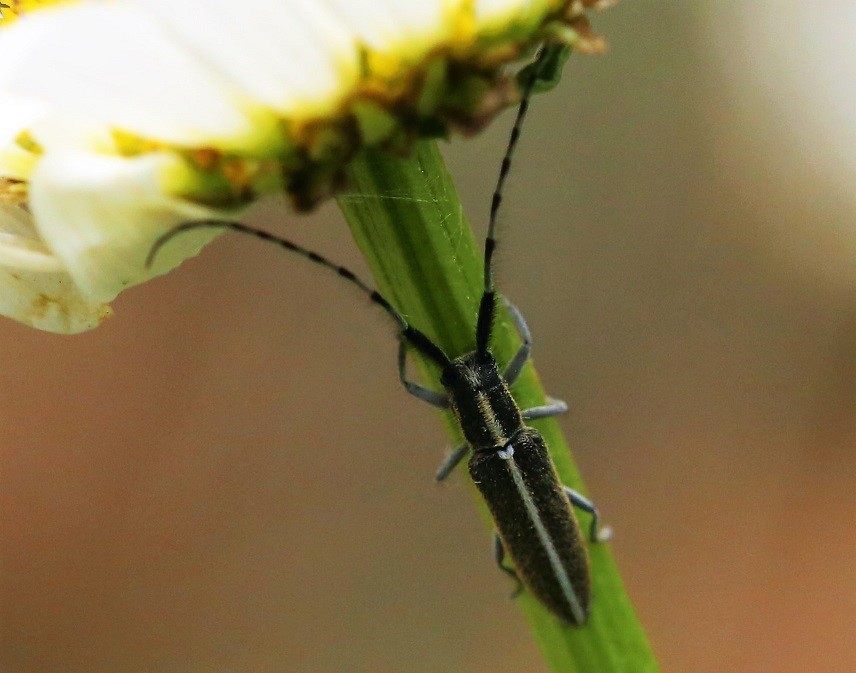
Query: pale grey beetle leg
{"points": [[451, 462], [432, 397], [499, 557], [553, 407], [596, 534], [512, 371]]}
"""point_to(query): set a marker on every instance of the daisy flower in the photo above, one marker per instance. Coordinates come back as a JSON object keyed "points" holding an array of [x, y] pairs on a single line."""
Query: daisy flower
{"points": [[120, 120]]}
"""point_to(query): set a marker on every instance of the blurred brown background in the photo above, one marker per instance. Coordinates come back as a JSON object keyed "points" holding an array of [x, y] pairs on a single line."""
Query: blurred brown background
{"points": [[227, 476]]}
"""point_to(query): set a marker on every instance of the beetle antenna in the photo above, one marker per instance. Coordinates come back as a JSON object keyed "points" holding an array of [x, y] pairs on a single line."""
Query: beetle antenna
{"points": [[488, 300], [416, 338]]}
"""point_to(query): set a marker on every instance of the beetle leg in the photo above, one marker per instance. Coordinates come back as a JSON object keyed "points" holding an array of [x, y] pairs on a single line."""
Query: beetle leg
{"points": [[432, 397], [512, 371], [499, 556], [515, 367], [553, 407], [596, 534], [451, 462]]}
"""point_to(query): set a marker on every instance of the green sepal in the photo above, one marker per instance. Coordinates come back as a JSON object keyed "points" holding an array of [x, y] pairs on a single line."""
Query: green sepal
{"points": [[433, 88], [375, 123], [549, 68]]}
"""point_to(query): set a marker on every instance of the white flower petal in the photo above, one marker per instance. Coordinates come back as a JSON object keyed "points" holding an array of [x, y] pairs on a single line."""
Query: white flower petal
{"points": [[20, 246], [371, 21], [47, 301], [116, 64], [101, 215], [299, 61], [418, 18], [17, 114], [408, 28], [72, 134]]}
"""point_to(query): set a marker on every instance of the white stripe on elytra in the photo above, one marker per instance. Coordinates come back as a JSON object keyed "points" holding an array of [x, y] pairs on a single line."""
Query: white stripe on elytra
{"points": [[561, 575]]}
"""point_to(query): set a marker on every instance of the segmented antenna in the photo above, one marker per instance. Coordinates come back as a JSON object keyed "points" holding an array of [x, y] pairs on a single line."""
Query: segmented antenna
{"points": [[487, 305], [416, 338]]}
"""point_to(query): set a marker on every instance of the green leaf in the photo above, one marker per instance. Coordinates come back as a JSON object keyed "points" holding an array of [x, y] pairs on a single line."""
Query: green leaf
{"points": [[407, 219]]}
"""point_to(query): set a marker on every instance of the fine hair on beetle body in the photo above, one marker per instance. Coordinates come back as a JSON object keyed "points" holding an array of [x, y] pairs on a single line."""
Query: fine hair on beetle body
{"points": [[508, 460]]}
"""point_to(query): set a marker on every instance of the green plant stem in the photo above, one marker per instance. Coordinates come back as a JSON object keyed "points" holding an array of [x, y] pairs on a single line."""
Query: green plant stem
{"points": [[407, 219]]}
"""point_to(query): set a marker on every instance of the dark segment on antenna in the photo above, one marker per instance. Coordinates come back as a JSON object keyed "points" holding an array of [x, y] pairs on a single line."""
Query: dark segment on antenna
{"points": [[487, 306], [416, 338], [509, 461]]}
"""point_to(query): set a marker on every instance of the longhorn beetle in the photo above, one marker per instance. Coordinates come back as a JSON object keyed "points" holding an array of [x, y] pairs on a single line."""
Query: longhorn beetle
{"points": [[510, 463]]}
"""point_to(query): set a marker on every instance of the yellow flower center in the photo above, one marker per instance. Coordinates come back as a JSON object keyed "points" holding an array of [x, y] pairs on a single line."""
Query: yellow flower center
{"points": [[20, 7]]}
